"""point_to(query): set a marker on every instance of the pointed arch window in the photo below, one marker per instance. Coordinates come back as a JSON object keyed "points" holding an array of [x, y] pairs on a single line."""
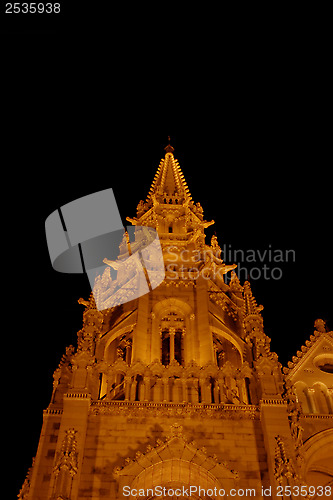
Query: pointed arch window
{"points": [[178, 346], [165, 347]]}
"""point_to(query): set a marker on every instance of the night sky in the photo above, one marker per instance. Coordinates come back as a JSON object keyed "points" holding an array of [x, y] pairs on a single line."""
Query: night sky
{"points": [[264, 193], [257, 158]]}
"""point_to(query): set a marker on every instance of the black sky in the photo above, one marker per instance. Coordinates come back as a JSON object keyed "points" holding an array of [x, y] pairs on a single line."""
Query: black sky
{"points": [[256, 154], [264, 190]]}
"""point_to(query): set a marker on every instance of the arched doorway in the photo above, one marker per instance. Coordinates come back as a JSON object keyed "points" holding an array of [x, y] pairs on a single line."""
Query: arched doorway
{"points": [[177, 476], [171, 469], [318, 462]]}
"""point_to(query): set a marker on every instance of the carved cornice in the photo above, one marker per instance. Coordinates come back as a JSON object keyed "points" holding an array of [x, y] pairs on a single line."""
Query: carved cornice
{"points": [[178, 282], [77, 395], [273, 401], [318, 416], [168, 409], [187, 371], [52, 411]]}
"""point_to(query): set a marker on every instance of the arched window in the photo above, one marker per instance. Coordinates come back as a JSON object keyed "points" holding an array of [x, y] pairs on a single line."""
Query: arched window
{"points": [[178, 342], [302, 396], [172, 338], [320, 391]]}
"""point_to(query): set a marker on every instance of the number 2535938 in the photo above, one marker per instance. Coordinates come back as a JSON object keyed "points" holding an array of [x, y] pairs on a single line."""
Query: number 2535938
{"points": [[32, 8]]}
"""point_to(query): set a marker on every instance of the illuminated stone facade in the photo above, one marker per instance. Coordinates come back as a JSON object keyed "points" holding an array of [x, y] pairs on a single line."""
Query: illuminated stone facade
{"points": [[179, 387]]}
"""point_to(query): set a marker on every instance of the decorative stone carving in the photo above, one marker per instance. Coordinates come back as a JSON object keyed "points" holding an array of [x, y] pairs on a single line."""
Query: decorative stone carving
{"points": [[66, 466], [175, 445], [67, 457], [165, 409], [284, 466]]}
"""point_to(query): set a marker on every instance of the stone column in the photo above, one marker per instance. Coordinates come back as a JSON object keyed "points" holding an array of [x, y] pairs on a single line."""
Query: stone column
{"points": [[172, 332], [133, 390], [141, 338], [204, 390], [165, 389], [240, 382], [127, 381], [184, 385], [146, 381], [221, 385]]}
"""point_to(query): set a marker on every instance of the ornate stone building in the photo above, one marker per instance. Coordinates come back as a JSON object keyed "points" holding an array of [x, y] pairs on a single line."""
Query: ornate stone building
{"points": [[179, 388]]}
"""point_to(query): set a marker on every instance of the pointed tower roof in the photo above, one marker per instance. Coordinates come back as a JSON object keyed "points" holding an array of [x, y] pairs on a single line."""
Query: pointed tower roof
{"points": [[169, 180], [169, 206]]}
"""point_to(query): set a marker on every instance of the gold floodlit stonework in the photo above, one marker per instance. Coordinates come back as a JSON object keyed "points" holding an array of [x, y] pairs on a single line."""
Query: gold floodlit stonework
{"points": [[179, 386]]}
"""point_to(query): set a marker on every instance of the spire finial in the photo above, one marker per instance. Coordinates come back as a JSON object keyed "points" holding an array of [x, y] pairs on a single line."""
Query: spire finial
{"points": [[169, 148]]}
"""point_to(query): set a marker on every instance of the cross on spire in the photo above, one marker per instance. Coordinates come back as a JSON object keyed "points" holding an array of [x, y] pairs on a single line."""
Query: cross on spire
{"points": [[169, 148]]}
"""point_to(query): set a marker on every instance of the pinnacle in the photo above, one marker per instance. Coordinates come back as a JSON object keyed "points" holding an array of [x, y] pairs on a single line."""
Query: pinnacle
{"points": [[169, 185], [250, 303]]}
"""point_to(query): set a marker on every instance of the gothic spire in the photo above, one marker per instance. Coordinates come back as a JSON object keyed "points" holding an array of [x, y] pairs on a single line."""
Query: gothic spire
{"points": [[169, 206], [169, 183]]}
